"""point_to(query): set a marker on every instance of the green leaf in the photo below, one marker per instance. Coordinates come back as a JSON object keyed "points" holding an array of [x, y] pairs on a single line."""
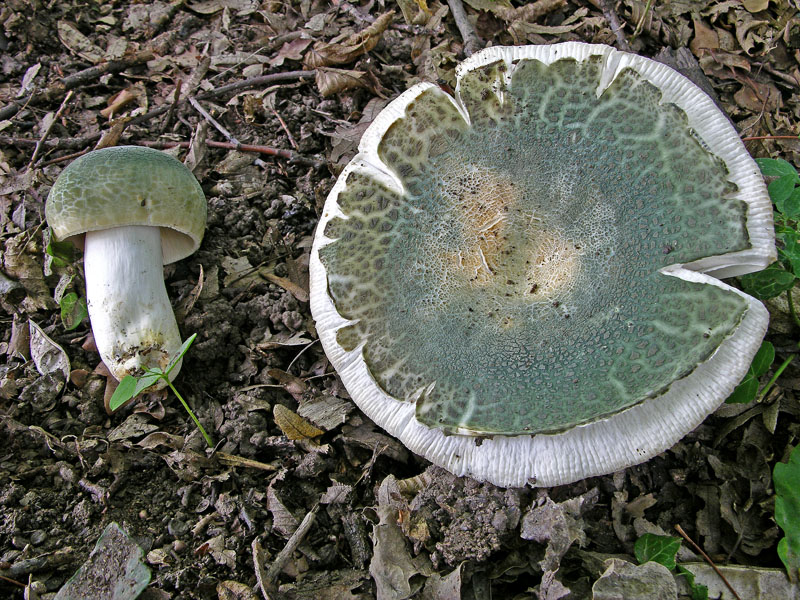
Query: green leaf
{"points": [[763, 359], [149, 380], [745, 392], [699, 592], [73, 310], [791, 207], [657, 548], [748, 388], [769, 283], [789, 254], [63, 253], [776, 167], [183, 349], [786, 478], [123, 393], [781, 189]]}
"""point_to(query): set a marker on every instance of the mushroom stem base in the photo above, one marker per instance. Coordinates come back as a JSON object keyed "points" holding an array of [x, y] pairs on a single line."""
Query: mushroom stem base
{"points": [[132, 319]]}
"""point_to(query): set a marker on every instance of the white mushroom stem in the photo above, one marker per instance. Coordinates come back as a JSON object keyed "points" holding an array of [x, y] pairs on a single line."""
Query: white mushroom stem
{"points": [[132, 320]]}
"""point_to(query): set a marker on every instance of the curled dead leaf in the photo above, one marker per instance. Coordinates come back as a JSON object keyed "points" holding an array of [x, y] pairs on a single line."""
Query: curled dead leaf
{"points": [[347, 50], [332, 81], [48, 356], [294, 385]]}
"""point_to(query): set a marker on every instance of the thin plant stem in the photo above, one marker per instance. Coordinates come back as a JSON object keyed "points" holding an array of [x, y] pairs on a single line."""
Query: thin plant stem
{"points": [[705, 556], [792, 310], [191, 414], [762, 394]]}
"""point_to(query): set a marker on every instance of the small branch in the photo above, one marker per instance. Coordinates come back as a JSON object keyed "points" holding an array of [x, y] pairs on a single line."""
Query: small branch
{"points": [[73, 81], [610, 13], [291, 545], [471, 41], [705, 556], [287, 154], [770, 137], [47, 131]]}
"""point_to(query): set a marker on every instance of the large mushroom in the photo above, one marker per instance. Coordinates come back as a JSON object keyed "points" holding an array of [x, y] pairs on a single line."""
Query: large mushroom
{"points": [[521, 283], [132, 210]]}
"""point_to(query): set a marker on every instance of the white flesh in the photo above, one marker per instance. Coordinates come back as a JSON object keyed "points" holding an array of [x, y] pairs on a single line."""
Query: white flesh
{"points": [[132, 320]]}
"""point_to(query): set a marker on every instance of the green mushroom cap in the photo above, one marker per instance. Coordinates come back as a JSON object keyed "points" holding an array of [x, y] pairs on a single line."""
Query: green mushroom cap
{"points": [[129, 185], [530, 261]]}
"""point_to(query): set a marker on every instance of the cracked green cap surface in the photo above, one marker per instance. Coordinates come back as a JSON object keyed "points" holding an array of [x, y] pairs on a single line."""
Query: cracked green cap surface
{"points": [[129, 185], [527, 262]]}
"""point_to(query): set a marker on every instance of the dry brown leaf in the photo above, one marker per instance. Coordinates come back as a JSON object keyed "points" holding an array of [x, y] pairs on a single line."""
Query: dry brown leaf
{"points": [[705, 38], [415, 12], [332, 81], [336, 53], [292, 50], [747, 31], [293, 425], [755, 5], [240, 461], [295, 290], [48, 356], [757, 97], [78, 43]]}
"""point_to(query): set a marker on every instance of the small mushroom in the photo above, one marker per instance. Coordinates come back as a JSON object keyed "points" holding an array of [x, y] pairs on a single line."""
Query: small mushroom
{"points": [[132, 210], [521, 282]]}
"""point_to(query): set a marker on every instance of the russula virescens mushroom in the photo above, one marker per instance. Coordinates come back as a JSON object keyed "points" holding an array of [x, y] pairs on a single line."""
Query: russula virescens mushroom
{"points": [[520, 283], [132, 210]]}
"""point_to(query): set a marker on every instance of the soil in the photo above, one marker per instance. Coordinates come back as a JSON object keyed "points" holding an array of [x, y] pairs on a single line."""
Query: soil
{"points": [[290, 447]]}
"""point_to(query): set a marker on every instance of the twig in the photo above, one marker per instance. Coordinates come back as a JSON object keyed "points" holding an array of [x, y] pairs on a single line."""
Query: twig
{"points": [[770, 137], [471, 41], [610, 13], [291, 545], [287, 154], [46, 132], [73, 81], [705, 556], [13, 581], [285, 129]]}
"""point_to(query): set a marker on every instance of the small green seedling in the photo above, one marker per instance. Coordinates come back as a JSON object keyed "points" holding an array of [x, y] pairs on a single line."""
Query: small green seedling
{"points": [[786, 478], [663, 549], [130, 387]]}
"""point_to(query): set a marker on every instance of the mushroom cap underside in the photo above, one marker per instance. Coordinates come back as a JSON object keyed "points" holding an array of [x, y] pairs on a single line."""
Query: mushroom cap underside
{"points": [[129, 185], [530, 263]]}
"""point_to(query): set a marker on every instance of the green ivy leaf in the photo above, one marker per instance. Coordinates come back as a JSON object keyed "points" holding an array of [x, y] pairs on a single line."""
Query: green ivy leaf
{"points": [[748, 388], [63, 253], [73, 310], [789, 254], [791, 207], [699, 592], [657, 548], [776, 167], [781, 189], [786, 478], [769, 283]]}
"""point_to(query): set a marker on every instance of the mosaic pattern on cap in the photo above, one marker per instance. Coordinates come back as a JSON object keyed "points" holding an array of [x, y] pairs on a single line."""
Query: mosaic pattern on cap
{"points": [[129, 185], [513, 285]]}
